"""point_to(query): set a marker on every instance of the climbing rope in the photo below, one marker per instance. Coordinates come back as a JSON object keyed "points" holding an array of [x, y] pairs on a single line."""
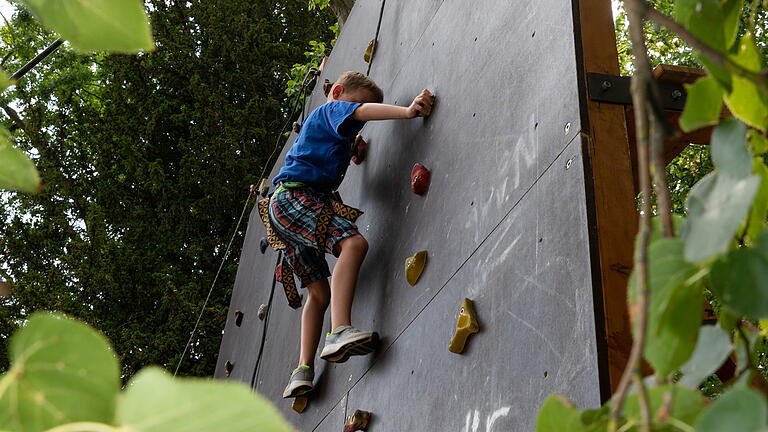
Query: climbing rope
{"points": [[308, 79], [376, 38], [266, 325]]}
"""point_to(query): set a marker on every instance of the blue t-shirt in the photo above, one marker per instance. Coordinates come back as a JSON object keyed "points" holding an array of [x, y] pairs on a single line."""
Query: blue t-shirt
{"points": [[321, 153]]}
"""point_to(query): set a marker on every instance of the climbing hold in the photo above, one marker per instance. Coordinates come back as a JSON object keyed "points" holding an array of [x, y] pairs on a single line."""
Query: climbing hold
{"points": [[466, 325], [327, 85], [357, 421], [359, 150], [300, 404], [262, 313], [420, 177], [228, 366], [238, 317], [370, 51], [414, 266], [263, 243], [296, 127], [264, 188]]}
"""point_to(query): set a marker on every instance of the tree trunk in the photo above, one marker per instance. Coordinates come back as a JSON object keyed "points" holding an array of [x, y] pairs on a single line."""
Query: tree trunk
{"points": [[341, 9]]}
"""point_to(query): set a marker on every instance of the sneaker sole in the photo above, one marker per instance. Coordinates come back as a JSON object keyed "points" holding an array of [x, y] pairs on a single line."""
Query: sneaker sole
{"points": [[296, 389], [362, 346]]}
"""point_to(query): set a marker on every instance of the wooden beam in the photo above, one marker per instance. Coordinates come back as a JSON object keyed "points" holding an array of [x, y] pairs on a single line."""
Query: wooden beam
{"points": [[612, 184]]}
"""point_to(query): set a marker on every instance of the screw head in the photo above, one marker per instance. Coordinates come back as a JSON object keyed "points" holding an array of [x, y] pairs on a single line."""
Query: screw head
{"points": [[606, 85], [676, 94]]}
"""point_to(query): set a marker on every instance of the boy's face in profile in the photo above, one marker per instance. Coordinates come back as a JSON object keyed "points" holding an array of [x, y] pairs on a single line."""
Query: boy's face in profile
{"points": [[339, 93]]}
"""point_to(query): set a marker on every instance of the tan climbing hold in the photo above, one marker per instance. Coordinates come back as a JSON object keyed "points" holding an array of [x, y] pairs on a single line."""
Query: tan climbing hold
{"points": [[466, 324], [357, 421], [370, 51], [414, 266], [300, 404]]}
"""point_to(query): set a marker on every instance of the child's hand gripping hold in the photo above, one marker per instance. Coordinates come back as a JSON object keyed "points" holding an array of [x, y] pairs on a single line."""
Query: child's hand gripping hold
{"points": [[421, 105]]}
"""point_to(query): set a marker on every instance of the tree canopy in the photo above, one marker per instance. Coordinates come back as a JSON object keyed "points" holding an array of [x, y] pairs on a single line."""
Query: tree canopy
{"points": [[146, 162]]}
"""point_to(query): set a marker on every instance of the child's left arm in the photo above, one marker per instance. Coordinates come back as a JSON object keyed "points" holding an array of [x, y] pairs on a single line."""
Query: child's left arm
{"points": [[421, 106]]}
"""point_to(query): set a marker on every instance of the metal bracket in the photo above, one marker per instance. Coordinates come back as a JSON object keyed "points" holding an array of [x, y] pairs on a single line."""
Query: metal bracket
{"points": [[617, 90]]}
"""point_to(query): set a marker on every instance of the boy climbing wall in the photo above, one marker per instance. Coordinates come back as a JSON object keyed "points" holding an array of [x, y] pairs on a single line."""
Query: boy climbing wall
{"points": [[308, 222]]}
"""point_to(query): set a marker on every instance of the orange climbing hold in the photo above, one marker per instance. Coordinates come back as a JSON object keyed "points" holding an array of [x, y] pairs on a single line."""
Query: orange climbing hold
{"points": [[414, 266], [466, 324]]}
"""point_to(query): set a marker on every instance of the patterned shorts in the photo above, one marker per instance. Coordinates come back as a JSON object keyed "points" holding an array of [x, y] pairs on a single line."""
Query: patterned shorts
{"points": [[294, 214]]}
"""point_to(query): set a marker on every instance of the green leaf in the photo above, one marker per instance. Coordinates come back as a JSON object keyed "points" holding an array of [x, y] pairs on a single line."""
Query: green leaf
{"points": [[703, 104], [739, 280], [596, 420], [62, 371], [686, 405], [97, 25], [739, 409], [558, 414], [757, 215], [675, 306], [729, 149], [17, 172], [156, 402], [717, 205], [718, 72], [711, 351], [757, 142], [719, 202], [745, 100], [715, 22]]}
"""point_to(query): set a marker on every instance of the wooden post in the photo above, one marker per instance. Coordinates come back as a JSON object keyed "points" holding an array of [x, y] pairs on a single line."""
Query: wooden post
{"points": [[612, 183]]}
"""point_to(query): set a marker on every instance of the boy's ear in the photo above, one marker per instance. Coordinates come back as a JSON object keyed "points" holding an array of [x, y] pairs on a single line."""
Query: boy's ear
{"points": [[337, 90]]}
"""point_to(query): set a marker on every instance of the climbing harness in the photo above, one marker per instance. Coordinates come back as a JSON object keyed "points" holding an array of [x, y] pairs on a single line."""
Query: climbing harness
{"points": [[284, 273]]}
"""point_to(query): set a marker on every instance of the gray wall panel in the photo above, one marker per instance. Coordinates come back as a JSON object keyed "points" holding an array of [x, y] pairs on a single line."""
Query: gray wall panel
{"points": [[533, 300]]}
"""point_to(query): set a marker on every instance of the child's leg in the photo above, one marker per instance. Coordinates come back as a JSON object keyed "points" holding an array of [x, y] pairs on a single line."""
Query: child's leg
{"points": [[352, 251], [318, 297]]}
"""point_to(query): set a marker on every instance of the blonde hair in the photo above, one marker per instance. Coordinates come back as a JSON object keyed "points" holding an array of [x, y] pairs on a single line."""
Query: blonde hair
{"points": [[355, 80]]}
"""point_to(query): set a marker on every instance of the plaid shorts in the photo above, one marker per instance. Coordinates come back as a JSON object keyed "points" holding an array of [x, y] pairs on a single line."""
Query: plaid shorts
{"points": [[293, 214]]}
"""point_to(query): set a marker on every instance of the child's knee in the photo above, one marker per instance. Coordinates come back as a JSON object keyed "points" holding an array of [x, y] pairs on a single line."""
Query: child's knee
{"points": [[356, 243], [320, 293]]}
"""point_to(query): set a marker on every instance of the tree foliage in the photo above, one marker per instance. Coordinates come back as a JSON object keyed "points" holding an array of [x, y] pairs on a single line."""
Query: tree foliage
{"points": [[146, 162], [719, 251]]}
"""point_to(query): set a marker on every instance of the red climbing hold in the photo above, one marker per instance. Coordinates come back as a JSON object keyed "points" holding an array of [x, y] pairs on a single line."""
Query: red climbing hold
{"points": [[359, 150], [420, 177]]}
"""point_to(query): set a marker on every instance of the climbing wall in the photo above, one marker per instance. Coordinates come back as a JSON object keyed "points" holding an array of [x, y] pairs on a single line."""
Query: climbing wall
{"points": [[505, 223]]}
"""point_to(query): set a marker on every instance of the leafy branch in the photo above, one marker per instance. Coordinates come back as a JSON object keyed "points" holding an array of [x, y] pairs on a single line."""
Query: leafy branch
{"points": [[760, 79]]}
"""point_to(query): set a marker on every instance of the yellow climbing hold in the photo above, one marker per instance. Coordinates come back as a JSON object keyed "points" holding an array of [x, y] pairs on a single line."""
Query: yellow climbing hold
{"points": [[466, 325], [370, 51], [414, 266], [300, 404]]}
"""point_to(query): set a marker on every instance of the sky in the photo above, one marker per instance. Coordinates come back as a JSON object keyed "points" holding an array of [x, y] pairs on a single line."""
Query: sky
{"points": [[6, 8]]}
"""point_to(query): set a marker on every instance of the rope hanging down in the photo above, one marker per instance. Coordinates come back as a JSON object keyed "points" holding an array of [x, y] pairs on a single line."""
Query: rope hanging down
{"points": [[376, 38], [254, 376], [308, 79]]}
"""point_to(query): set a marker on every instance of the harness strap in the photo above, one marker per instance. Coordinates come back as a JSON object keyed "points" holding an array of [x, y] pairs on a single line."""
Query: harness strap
{"points": [[284, 273]]}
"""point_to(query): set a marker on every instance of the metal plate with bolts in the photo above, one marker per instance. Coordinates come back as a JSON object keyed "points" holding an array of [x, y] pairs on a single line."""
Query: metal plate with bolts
{"points": [[618, 90]]}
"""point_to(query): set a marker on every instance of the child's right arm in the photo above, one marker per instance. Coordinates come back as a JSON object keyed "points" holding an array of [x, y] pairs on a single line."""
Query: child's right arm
{"points": [[421, 106]]}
